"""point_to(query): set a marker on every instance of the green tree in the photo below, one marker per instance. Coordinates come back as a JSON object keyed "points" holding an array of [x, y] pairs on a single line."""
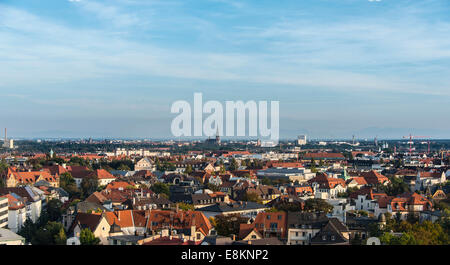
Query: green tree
{"points": [[88, 238], [266, 181], [67, 183], [54, 210], [186, 206], [313, 166], [48, 234], [318, 205], [288, 206], [252, 197], [124, 167], [227, 225], [61, 238], [78, 161], [321, 164], [395, 187], [28, 230], [160, 187], [89, 185], [233, 165], [188, 170], [213, 187]]}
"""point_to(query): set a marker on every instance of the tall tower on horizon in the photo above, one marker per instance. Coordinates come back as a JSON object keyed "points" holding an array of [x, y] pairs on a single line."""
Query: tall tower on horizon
{"points": [[8, 144], [217, 136]]}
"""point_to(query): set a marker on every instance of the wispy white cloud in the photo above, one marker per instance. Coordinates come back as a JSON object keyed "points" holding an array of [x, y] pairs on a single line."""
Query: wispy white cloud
{"points": [[300, 54]]}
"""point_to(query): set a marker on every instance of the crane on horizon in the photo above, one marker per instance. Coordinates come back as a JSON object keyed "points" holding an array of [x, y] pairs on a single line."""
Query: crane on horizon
{"points": [[411, 137]]}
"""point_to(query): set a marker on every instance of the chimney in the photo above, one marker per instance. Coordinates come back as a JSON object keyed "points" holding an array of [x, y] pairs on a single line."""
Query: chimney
{"points": [[6, 138], [193, 231]]}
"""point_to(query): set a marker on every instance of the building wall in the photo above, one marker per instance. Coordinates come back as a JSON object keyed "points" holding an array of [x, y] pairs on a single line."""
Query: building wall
{"points": [[3, 212], [103, 182], [16, 219], [301, 236], [35, 209]]}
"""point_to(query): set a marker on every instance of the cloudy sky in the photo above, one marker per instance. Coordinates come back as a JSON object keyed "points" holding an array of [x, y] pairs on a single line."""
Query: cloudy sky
{"points": [[92, 68]]}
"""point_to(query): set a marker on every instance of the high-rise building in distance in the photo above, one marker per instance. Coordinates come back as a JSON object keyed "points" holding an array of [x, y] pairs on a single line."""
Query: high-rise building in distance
{"points": [[301, 140]]}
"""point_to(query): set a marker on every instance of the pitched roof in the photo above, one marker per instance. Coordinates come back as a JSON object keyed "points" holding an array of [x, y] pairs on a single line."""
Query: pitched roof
{"points": [[324, 155], [313, 220], [122, 218], [96, 197], [331, 233], [373, 177], [55, 169], [103, 174], [87, 220]]}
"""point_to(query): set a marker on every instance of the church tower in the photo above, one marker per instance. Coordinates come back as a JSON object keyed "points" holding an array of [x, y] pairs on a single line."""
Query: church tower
{"points": [[217, 136]]}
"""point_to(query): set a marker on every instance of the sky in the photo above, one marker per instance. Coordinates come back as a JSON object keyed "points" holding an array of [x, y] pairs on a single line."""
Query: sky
{"points": [[112, 69]]}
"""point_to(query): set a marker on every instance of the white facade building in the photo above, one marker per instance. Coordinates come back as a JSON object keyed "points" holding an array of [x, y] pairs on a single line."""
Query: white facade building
{"points": [[301, 140], [3, 212]]}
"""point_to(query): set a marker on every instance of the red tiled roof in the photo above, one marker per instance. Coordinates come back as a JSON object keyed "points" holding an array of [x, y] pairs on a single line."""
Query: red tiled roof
{"points": [[424, 174], [13, 203], [103, 174], [122, 218], [115, 185], [360, 180], [373, 177], [323, 155]]}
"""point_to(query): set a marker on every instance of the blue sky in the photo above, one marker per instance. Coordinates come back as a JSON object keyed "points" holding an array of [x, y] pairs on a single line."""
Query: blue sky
{"points": [[91, 68]]}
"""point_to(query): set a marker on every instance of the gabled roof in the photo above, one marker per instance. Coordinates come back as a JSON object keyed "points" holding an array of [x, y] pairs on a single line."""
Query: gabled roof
{"points": [[103, 174], [313, 220], [14, 201], [331, 233], [424, 174], [96, 197], [87, 220], [25, 192], [122, 218], [373, 177], [359, 180]]}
